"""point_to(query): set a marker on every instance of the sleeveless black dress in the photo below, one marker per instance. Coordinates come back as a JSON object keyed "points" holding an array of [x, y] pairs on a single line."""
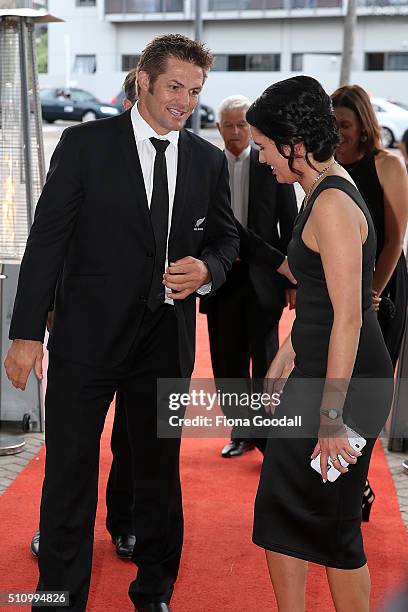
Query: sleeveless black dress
{"points": [[364, 174], [295, 512]]}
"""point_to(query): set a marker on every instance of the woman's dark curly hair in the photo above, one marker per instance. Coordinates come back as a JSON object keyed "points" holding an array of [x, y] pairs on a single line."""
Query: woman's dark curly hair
{"points": [[296, 110]]}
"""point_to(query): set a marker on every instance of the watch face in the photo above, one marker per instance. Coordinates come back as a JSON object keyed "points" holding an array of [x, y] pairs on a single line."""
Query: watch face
{"points": [[333, 413]]}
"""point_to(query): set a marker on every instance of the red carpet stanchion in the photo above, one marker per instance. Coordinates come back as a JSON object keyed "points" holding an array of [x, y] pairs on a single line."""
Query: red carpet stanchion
{"points": [[222, 571]]}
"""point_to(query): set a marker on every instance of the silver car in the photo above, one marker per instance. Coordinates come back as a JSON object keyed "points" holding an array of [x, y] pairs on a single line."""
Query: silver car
{"points": [[393, 119]]}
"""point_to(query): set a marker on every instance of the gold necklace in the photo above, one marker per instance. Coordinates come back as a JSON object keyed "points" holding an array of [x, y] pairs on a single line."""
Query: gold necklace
{"points": [[319, 176]]}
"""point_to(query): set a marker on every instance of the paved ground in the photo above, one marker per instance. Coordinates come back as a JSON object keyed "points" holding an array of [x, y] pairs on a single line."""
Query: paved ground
{"points": [[11, 466]]}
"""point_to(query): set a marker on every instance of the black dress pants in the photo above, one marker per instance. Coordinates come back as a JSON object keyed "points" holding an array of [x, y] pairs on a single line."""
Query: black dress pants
{"points": [[77, 400], [119, 490], [240, 331]]}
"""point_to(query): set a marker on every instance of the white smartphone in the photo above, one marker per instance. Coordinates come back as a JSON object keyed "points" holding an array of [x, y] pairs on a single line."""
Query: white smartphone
{"points": [[356, 442]]}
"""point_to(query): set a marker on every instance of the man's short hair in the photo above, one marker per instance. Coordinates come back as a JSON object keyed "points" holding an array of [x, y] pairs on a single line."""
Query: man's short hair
{"points": [[233, 102], [154, 57], [129, 86]]}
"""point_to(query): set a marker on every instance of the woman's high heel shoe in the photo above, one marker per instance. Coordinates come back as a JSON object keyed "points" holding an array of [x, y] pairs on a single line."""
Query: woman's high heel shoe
{"points": [[367, 503]]}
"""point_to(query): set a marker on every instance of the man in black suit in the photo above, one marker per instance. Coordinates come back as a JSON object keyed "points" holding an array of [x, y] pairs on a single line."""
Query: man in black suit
{"points": [[119, 489], [243, 316], [123, 230]]}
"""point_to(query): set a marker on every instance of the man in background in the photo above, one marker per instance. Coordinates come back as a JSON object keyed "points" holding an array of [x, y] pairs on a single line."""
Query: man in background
{"points": [[243, 316]]}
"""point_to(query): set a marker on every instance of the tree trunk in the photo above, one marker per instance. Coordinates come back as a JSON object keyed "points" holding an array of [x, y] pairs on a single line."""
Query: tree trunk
{"points": [[350, 22]]}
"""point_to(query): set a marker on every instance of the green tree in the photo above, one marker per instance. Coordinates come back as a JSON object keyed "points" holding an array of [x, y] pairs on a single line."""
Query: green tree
{"points": [[42, 50]]}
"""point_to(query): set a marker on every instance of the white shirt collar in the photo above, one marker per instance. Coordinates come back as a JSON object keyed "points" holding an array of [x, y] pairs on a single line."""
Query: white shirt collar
{"points": [[144, 131], [233, 158]]}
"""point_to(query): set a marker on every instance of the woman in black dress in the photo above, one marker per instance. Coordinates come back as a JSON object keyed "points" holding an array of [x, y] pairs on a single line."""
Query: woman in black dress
{"points": [[382, 180], [340, 370]]}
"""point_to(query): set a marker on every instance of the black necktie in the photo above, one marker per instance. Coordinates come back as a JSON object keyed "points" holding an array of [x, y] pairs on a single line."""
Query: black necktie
{"points": [[159, 214]]}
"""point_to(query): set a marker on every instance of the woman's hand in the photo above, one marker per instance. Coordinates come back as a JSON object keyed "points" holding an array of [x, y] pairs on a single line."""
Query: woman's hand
{"points": [[276, 376], [331, 447]]}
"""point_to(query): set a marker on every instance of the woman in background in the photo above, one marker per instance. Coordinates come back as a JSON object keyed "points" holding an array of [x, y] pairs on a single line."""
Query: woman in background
{"points": [[382, 181]]}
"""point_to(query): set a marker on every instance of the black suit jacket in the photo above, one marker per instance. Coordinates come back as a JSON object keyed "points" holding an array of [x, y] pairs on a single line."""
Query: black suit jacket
{"points": [[263, 245], [92, 238]]}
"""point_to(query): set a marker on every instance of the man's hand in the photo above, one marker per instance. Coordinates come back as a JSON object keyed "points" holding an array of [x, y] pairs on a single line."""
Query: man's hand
{"points": [[23, 355], [290, 298], [285, 270], [185, 276]]}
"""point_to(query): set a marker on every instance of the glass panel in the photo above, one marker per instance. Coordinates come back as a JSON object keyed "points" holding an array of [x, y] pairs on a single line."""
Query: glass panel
{"points": [[85, 64], [263, 62], [220, 63], [297, 62], [79, 95], [397, 61], [236, 63], [129, 62], [374, 61], [144, 6]]}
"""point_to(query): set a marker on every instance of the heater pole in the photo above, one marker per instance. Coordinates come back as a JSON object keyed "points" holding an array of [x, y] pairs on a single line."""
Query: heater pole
{"points": [[25, 103]]}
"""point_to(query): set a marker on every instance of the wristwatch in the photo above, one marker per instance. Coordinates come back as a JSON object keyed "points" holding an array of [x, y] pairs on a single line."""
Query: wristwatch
{"points": [[332, 413]]}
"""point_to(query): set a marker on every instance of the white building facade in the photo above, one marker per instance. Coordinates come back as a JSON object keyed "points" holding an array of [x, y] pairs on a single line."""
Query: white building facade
{"points": [[255, 42]]}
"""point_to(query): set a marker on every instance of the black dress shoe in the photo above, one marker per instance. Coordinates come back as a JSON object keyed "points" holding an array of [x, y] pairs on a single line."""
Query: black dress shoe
{"points": [[235, 448], [124, 545], [156, 606], [35, 544]]}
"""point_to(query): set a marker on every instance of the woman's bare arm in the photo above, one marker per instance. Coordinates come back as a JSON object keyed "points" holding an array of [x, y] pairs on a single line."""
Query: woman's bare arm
{"points": [[339, 229], [394, 181]]}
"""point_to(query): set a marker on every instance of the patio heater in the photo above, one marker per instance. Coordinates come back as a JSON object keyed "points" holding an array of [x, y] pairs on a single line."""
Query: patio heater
{"points": [[22, 175]]}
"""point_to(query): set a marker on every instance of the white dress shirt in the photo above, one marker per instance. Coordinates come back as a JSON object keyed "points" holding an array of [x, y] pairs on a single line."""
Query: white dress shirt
{"points": [[238, 168], [147, 154]]}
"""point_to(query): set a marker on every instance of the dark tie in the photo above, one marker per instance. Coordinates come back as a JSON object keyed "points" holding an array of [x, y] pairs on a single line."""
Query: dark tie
{"points": [[159, 214]]}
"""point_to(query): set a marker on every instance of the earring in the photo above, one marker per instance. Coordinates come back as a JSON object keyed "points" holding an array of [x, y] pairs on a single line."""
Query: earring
{"points": [[363, 137]]}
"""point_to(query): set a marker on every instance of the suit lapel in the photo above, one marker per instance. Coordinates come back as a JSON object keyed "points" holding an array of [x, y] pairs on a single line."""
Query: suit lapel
{"points": [[253, 186], [183, 165]]}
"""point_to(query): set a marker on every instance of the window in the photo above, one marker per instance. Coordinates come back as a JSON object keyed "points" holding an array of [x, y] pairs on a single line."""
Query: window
{"points": [[47, 93], [129, 62], [86, 2], [253, 62], [236, 63], [85, 64], [220, 63], [263, 62], [387, 61], [374, 61], [79, 95], [397, 61], [297, 62]]}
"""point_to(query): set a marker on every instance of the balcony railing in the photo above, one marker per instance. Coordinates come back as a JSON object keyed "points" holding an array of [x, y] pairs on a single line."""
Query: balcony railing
{"points": [[244, 5], [140, 7], [253, 5], [382, 3], [143, 6]]}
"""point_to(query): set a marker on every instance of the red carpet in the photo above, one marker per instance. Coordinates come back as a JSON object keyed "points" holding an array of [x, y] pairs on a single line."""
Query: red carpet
{"points": [[221, 569]]}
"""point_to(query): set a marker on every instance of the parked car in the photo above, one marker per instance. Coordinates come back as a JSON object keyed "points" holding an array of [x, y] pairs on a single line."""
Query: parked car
{"points": [[207, 113], [393, 119], [73, 104]]}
